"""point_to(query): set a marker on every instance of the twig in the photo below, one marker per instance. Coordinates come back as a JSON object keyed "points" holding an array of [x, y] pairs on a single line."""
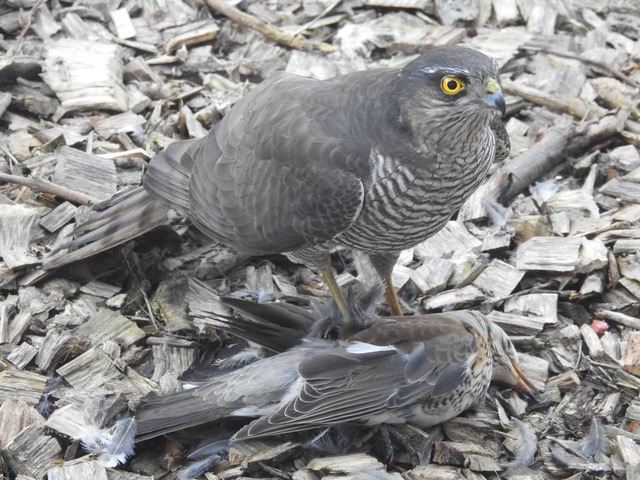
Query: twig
{"points": [[39, 185], [563, 140], [612, 71], [557, 144], [12, 160], [621, 318], [572, 106], [567, 447], [144, 295], [322, 14], [269, 31], [25, 28]]}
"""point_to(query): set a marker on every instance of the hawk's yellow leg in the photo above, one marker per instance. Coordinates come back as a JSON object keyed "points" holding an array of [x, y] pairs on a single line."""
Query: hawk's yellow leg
{"points": [[392, 298]]}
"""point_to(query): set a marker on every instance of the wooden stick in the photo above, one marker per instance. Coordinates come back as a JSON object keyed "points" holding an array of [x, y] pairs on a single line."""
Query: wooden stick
{"points": [[559, 142], [269, 31], [318, 17], [23, 33], [572, 106], [39, 185], [618, 317], [562, 141]]}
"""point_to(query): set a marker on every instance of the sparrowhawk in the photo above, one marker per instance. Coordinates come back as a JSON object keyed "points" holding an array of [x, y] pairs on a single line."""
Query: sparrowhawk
{"points": [[376, 161]]}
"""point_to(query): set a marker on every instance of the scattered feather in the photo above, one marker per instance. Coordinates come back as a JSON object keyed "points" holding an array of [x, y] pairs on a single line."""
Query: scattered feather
{"points": [[545, 190], [46, 404], [497, 213], [247, 293], [219, 447], [525, 454], [198, 468], [240, 359], [596, 443], [112, 446]]}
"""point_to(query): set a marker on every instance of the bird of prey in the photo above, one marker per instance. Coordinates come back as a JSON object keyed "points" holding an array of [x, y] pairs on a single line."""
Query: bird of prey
{"points": [[422, 370], [375, 161]]}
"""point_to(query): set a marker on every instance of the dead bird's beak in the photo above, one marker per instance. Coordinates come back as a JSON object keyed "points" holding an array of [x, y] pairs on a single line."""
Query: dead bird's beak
{"points": [[523, 385], [494, 99]]}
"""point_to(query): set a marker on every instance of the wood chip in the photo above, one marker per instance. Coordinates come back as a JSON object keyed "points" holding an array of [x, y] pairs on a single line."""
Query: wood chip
{"points": [[31, 452], [345, 463], [88, 174], [92, 80], [469, 455], [592, 341], [624, 190], [462, 296], [436, 472], [108, 325], [544, 306], [15, 235], [122, 123], [556, 254], [631, 354], [517, 324], [68, 420], [27, 386], [58, 217], [453, 238], [499, 279], [94, 370], [22, 355], [122, 23], [15, 416], [200, 32]]}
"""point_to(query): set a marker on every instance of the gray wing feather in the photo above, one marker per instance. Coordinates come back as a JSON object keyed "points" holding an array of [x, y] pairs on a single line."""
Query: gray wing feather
{"points": [[287, 167]]}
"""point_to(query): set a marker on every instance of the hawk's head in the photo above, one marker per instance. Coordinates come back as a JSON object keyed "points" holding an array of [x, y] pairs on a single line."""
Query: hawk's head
{"points": [[451, 81]]}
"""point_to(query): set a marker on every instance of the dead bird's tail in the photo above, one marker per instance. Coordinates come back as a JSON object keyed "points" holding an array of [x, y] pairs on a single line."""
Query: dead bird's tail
{"points": [[129, 214], [159, 415]]}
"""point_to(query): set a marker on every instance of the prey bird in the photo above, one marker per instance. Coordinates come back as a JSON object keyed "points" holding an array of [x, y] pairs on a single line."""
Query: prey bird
{"points": [[424, 370], [375, 161]]}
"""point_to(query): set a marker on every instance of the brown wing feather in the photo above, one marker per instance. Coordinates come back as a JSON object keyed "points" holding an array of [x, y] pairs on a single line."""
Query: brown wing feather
{"points": [[344, 385]]}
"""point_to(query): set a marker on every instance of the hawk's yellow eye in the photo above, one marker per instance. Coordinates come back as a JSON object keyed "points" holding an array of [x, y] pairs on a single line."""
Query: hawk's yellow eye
{"points": [[451, 85]]}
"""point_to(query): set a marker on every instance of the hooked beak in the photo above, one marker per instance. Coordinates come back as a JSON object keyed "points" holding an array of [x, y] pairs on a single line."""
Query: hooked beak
{"points": [[523, 385], [494, 99]]}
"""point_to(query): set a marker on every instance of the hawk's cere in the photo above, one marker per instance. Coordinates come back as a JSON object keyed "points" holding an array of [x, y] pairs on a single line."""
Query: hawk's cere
{"points": [[376, 161]]}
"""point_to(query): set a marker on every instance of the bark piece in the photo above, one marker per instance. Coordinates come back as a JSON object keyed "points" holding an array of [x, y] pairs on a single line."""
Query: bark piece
{"points": [[58, 217], [15, 416], [91, 80], [27, 386], [15, 235], [631, 355], [85, 173], [499, 279], [31, 452]]}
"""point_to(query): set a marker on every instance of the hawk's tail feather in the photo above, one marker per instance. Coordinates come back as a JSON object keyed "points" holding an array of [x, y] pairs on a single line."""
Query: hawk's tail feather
{"points": [[134, 214], [130, 214]]}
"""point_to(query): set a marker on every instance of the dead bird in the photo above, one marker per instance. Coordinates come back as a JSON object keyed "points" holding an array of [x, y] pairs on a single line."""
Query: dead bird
{"points": [[424, 370]]}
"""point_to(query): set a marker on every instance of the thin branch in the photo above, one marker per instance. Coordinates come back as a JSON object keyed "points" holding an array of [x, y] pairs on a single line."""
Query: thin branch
{"points": [[318, 17], [269, 31], [612, 71], [25, 28], [570, 105], [39, 185]]}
